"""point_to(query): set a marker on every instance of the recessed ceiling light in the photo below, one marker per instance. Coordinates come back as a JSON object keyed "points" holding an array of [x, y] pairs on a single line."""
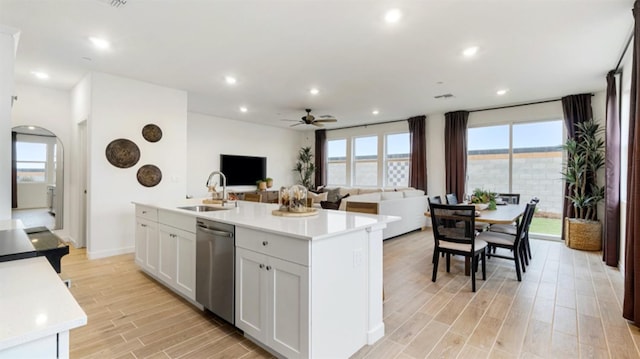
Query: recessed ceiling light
{"points": [[40, 75], [375, 112], [243, 109], [31, 127], [314, 91], [99, 43], [501, 92], [230, 80], [470, 51], [392, 16]]}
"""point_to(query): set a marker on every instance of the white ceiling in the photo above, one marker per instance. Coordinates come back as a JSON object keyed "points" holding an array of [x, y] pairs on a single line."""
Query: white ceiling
{"points": [[278, 50]]}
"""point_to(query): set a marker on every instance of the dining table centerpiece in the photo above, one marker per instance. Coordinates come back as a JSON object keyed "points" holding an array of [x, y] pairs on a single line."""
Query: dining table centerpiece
{"points": [[483, 199]]}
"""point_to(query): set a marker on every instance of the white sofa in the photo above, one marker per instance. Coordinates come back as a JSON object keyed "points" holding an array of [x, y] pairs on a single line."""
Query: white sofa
{"points": [[408, 203]]}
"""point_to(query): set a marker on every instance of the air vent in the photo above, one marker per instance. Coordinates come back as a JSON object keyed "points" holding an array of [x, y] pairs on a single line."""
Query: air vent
{"points": [[447, 95], [114, 3]]}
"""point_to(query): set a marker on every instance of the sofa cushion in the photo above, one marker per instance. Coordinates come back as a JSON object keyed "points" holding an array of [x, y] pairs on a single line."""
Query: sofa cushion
{"points": [[391, 195], [368, 190], [348, 191], [317, 197], [413, 193]]}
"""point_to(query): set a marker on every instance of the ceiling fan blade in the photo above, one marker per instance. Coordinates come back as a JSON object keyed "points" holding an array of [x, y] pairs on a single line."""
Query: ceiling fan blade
{"points": [[315, 123], [326, 116], [327, 120], [284, 119], [296, 124]]}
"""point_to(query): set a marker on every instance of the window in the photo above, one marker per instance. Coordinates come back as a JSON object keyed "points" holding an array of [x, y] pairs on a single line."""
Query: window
{"points": [[524, 158], [488, 158], [31, 162], [337, 162], [365, 161], [397, 160]]}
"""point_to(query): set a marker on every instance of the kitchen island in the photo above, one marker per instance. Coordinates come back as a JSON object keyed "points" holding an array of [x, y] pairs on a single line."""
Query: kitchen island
{"points": [[37, 311], [305, 287]]}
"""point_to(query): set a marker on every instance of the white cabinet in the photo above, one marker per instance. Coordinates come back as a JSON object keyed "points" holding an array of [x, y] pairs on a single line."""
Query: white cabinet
{"points": [[272, 296], [166, 248], [177, 259], [146, 254]]}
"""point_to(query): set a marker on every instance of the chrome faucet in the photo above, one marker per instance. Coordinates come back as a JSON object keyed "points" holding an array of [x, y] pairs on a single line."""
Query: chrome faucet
{"points": [[223, 182]]}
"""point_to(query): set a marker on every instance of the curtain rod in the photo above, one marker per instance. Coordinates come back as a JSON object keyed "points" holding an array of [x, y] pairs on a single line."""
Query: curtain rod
{"points": [[510, 106], [624, 51], [369, 124]]}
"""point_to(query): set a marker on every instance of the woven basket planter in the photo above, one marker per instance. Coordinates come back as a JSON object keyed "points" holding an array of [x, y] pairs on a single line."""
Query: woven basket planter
{"points": [[582, 234]]}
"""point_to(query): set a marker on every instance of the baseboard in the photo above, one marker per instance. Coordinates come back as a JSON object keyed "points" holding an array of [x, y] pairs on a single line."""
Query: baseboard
{"points": [[109, 253]]}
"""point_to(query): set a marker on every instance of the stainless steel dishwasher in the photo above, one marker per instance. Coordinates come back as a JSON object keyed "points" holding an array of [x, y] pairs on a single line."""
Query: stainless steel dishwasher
{"points": [[215, 267]]}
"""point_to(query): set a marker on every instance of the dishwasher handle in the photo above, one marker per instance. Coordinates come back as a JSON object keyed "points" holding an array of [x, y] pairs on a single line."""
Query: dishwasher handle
{"points": [[215, 232]]}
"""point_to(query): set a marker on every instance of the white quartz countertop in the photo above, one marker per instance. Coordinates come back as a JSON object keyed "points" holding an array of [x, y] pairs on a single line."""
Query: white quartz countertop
{"points": [[324, 224], [34, 302]]}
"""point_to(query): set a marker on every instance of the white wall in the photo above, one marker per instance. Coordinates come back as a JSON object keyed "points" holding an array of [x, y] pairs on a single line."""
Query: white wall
{"points": [[211, 136], [8, 44], [120, 108], [51, 110]]}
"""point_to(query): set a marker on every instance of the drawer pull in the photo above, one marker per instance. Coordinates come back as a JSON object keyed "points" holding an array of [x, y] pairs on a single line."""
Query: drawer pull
{"points": [[144, 212], [261, 266], [268, 267], [264, 243], [143, 225]]}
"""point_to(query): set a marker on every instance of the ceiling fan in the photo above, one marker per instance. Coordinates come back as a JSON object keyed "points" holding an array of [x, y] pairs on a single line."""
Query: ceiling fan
{"points": [[309, 119]]}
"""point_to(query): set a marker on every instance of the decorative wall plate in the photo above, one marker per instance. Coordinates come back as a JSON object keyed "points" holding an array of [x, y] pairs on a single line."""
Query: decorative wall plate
{"points": [[152, 133], [122, 153], [149, 175]]}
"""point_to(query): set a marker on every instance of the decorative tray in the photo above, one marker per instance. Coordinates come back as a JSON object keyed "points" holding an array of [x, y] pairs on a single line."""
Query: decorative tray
{"points": [[309, 212]]}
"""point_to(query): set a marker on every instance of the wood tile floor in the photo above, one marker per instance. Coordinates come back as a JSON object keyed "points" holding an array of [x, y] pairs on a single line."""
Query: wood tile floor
{"points": [[568, 305]]}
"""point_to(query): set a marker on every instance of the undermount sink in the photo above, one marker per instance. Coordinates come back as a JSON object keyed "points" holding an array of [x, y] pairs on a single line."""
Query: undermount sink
{"points": [[203, 208]]}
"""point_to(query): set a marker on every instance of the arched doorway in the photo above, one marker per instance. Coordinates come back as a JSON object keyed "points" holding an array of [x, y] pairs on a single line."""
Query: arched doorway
{"points": [[37, 177]]}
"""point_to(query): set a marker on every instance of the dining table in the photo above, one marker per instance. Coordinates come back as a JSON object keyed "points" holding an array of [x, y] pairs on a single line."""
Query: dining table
{"points": [[503, 214]]}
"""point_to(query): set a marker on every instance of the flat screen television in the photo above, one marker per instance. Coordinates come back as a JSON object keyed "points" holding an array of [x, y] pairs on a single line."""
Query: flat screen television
{"points": [[243, 170]]}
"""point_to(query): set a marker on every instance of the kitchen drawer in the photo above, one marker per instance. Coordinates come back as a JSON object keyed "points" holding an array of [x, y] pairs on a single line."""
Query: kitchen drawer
{"points": [[177, 220], [287, 248], [146, 212]]}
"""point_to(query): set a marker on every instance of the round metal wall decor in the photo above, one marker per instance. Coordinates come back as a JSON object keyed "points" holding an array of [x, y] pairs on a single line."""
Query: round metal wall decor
{"points": [[149, 175], [122, 153], [152, 133]]}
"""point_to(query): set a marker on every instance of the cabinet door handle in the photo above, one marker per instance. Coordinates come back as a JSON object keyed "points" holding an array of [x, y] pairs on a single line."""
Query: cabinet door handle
{"points": [[261, 266], [173, 235], [268, 267], [143, 225], [144, 212], [264, 243]]}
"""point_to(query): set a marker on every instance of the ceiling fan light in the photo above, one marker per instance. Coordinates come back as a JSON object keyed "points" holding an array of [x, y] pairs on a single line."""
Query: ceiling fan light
{"points": [[314, 91]]}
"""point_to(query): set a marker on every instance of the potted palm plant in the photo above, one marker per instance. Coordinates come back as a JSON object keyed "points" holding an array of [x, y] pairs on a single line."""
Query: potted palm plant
{"points": [[305, 167], [585, 157]]}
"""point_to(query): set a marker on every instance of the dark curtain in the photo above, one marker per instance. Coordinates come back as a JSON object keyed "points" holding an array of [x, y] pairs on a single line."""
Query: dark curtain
{"points": [[418, 156], [455, 151], [576, 109], [321, 158], [631, 307], [611, 248], [14, 171]]}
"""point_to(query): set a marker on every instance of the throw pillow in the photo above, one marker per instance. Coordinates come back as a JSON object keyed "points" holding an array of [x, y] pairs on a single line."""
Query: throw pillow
{"points": [[333, 194], [331, 204]]}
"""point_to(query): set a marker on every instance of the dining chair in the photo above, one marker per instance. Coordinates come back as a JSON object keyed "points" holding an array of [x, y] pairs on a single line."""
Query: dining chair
{"points": [[510, 198], [253, 197], [453, 239], [451, 198], [511, 242], [512, 229], [362, 207]]}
